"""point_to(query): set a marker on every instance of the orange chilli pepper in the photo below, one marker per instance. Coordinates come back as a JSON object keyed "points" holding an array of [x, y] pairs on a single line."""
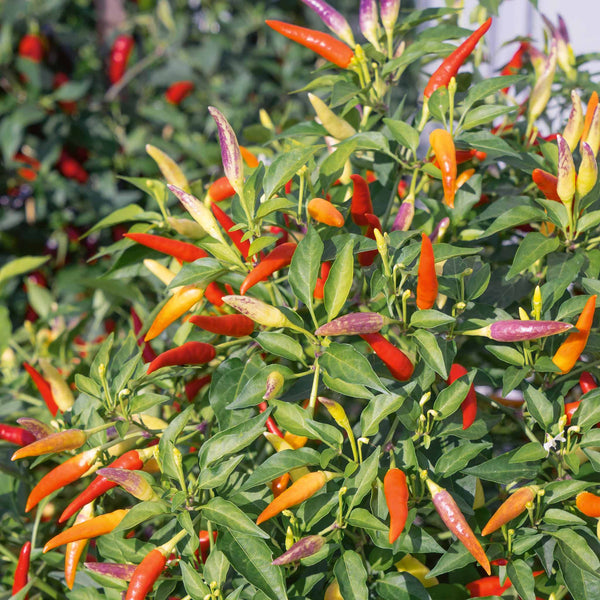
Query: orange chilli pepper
{"points": [[546, 183], [395, 360], [510, 509], [302, 489], [589, 115], [443, 146], [220, 190], [568, 352], [69, 439], [395, 491], [74, 550], [279, 257], [588, 504], [325, 212], [427, 283]]}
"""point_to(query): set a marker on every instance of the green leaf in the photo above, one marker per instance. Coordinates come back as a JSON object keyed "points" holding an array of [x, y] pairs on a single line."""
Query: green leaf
{"points": [[360, 517], [193, 582], [21, 265], [487, 87], [225, 513], [305, 266], [555, 516], [582, 584], [559, 491], [281, 344], [506, 354], [351, 390], [458, 458], [450, 398], [252, 559], [344, 362], [339, 281], [377, 410], [484, 114], [153, 187], [512, 217], [542, 410], [403, 133], [428, 319], [588, 413], [200, 272], [364, 479], [456, 557], [431, 353], [351, 576], [139, 513], [279, 463], [502, 471], [168, 440], [254, 390], [521, 576], [576, 549], [232, 440], [274, 205], [285, 166], [216, 476], [439, 103], [495, 146], [131, 212], [529, 453], [532, 248], [260, 243], [401, 586]]}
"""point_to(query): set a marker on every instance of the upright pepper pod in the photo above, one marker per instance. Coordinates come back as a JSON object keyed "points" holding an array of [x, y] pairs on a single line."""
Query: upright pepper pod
{"points": [[131, 481], [236, 235], [543, 87], [587, 383], [568, 352], [510, 509], [22, 570], [231, 155], [219, 190], [335, 126], [119, 57], [388, 11], [170, 170], [565, 185], [31, 47], [395, 491], [74, 550], [443, 146], [588, 171], [61, 392], [334, 20], [468, 406], [322, 44], [574, 127], [178, 91], [336, 410], [322, 279], [325, 212], [589, 115], [367, 21], [361, 201], [455, 521], [427, 283], [546, 183], [515, 64]]}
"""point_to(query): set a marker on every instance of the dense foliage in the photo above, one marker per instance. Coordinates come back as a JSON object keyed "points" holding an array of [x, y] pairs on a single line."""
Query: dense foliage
{"points": [[361, 364]]}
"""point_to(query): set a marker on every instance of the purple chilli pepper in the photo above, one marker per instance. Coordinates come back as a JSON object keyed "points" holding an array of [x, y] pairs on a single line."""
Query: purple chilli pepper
{"points": [[332, 19], [116, 570], [368, 21], [404, 217], [40, 430], [519, 331], [354, 324], [388, 10], [230, 151], [307, 546]]}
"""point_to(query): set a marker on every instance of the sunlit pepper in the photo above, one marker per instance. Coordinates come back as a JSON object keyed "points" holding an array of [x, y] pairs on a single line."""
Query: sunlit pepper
{"points": [[168, 167], [74, 550], [443, 146]]}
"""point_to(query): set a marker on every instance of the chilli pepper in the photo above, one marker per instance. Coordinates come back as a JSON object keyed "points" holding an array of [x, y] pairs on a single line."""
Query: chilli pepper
{"points": [[336, 410], [587, 383], [546, 183], [258, 311], [443, 146], [279, 257], [195, 385], [65, 473], [116, 570], [469, 405], [280, 444], [333, 591], [575, 123], [270, 423], [95, 527], [61, 391], [566, 179], [361, 200], [248, 157], [322, 279], [307, 546], [366, 258], [455, 521], [38, 429], [568, 352], [325, 212], [322, 44], [148, 353], [510, 509], [30, 174], [69, 439], [190, 353], [204, 549], [132, 460], [168, 167], [231, 325], [22, 570], [74, 550], [179, 303], [334, 20], [417, 569], [588, 171], [427, 283], [569, 410], [516, 330], [589, 115], [368, 22], [186, 227], [149, 570], [450, 65], [514, 65], [588, 504], [182, 251], [119, 56], [71, 168], [542, 89], [354, 324], [298, 492], [131, 481], [219, 190], [395, 360], [335, 126], [31, 47], [16, 435], [395, 491], [487, 586], [236, 235], [178, 91], [280, 484]]}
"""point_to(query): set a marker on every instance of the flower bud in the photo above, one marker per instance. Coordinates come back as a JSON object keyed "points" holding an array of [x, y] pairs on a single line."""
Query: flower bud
{"points": [[230, 152], [565, 185], [258, 311], [354, 324], [588, 171], [307, 546]]}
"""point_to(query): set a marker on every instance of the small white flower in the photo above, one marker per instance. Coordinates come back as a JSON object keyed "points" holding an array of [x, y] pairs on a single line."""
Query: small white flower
{"points": [[550, 442]]}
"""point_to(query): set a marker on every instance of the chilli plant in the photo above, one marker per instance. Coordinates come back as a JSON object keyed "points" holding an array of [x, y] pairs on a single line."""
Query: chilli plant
{"points": [[361, 364]]}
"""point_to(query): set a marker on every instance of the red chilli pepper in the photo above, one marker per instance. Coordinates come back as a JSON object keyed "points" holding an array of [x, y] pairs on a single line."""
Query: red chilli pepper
{"points": [[270, 423], [31, 47], [190, 353], [16, 435], [179, 90], [67, 106], [119, 55], [204, 549], [515, 64], [220, 190], [395, 360], [395, 491], [130, 460], [279, 257], [450, 65], [546, 183], [361, 201], [148, 353], [469, 404], [231, 325], [427, 283], [180, 250], [587, 383], [323, 44], [235, 236], [22, 570], [195, 385], [320, 285], [71, 168], [366, 258]]}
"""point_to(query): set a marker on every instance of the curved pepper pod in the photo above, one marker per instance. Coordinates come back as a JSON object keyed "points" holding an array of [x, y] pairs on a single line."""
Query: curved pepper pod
{"points": [[130, 481], [168, 167], [89, 529], [69, 439], [16, 435], [236, 235], [325, 212], [591, 115], [298, 492], [335, 126], [588, 504], [334, 20], [395, 491], [74, 550], [568, 352], [515, 330], [61, 392], [190, 353], [574, 127], [455, 521], [37, 428], [219, 190], [145, 575], [278, 258], [321, 280], [587, 383], [178, 91], [119, 56], [116, 570], [468, 406], [398, 364], [354, 324], [546, 183], [361, 201], [43, 388], [258, 311], [182, 251], [231, 154], [510, 509], [542, 89], [307, 546], [405, 215], [230, 325]]}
